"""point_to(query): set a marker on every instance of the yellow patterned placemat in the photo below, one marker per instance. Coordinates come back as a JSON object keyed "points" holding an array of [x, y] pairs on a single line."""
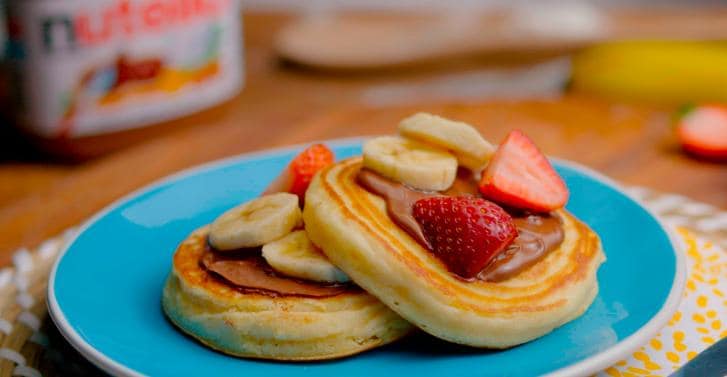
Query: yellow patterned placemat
{"points": [[31, 346], [697, 324]]}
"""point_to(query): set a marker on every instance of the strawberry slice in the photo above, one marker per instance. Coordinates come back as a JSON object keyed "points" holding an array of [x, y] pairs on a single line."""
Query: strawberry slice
{"points": [[703, 131], [464, 232], [299, 173], [520, 176]]}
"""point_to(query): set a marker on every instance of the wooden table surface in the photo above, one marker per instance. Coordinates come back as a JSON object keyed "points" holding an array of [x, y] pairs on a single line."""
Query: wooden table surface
{"points": [[284, 105]]}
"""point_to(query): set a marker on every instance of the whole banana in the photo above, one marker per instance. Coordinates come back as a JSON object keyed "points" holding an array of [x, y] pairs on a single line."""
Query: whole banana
{"points": [[670, 72]]}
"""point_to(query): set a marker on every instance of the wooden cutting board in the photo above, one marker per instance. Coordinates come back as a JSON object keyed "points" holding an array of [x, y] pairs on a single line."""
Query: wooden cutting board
{"points": [[629, 143], [360, 41]]}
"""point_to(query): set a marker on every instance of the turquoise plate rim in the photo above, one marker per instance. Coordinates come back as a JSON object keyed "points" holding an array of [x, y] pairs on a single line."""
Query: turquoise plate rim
{"points": [[587, 366]]}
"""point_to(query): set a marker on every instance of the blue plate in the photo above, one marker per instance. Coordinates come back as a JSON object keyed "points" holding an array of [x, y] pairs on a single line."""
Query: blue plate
{"points": [[105, 289]]}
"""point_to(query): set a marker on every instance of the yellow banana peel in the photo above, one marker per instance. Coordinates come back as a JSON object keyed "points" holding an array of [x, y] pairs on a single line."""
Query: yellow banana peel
{"points": [[670, 72]]}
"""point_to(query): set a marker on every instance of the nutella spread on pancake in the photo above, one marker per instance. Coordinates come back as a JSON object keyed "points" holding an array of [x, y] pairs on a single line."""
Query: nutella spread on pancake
{"points": [[399, 201], [538, 234], [250, 273]]}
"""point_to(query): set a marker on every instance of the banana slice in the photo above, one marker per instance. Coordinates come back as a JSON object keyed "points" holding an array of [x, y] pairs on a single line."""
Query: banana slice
{"points": [[295, 255], [470, 148], [410, 162], [256, 222]]}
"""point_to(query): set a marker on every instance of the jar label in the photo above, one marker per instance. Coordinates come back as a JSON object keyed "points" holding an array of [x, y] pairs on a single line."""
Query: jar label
{"points": [[84, 68]]}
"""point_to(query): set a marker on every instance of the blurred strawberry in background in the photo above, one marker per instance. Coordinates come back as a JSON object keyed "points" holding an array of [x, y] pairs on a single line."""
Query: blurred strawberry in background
{"points": [[702, 131]]}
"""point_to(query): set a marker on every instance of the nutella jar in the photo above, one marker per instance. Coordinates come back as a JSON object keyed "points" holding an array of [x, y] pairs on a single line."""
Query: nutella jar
{"points": [[85, 74]]}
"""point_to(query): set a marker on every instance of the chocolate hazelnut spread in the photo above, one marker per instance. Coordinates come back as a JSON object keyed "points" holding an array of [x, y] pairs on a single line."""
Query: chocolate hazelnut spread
{"points": [[93, 76], [538, 234], [248, 271], [399, 199]]}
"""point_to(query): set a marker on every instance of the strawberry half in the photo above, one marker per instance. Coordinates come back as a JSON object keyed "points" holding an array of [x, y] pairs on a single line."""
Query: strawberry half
{"points": [[703, 131], [520, 176], [465, 233], [296, 178]]}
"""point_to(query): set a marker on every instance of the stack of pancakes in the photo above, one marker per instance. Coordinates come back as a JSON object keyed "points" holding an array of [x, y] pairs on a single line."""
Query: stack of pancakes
{"points": [[397, 284]]}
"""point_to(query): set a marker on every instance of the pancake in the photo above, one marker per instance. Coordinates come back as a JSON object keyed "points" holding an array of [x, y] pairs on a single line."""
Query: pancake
{"points": [[312, 324], [352, 227]]}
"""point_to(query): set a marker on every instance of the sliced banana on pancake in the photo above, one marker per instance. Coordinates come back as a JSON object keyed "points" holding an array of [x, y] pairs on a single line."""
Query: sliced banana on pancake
{"points": [[256, 222], [295, 255], [415, 164], [274, 317], [470, 148]]}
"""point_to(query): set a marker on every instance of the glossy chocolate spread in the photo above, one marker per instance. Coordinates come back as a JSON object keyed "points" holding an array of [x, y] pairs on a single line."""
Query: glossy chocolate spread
{"points": [[538, 234], [248, 271]]}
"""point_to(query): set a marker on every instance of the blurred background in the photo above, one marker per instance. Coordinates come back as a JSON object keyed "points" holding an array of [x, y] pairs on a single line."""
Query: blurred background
{"points": [[102, 97]]}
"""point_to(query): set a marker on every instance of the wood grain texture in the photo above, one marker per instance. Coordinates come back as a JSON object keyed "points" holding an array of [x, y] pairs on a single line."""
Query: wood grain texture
{"points": [[381, 39], [281, 106]]}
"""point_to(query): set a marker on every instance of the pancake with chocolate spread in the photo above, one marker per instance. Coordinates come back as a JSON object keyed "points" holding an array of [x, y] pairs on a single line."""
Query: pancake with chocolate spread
{"points": [[545, 278], [236, 303]]}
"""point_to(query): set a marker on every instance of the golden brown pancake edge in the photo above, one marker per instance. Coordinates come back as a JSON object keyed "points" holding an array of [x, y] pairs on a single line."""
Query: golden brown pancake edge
{"points": [[352, 227], [255, 325]]}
